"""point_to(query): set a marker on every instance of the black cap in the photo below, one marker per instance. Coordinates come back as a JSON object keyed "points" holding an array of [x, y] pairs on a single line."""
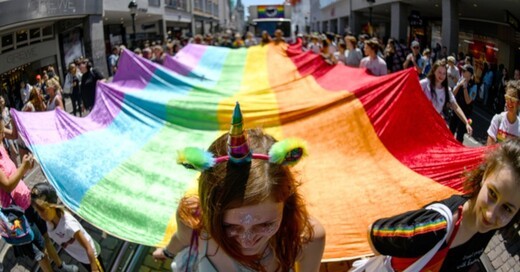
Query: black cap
{"points": [[468, 68], [45, 192]]}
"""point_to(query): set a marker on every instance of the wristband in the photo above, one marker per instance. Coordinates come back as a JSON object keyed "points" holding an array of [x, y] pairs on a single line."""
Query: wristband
{"points": [[167, 253]]}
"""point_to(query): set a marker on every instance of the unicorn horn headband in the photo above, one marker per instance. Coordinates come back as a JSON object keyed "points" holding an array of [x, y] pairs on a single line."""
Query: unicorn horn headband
{"points": [[286, 152]]}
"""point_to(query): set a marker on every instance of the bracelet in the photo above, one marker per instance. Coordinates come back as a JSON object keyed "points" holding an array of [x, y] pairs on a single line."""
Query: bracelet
{"points": [[167, 253]]}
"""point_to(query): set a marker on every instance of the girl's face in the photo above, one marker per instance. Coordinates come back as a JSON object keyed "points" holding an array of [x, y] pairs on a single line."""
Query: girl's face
{"points": [[2, 102], [253, 226], [440, 74], [45, 212], [512, 102], [498, 201], [51, 90]]}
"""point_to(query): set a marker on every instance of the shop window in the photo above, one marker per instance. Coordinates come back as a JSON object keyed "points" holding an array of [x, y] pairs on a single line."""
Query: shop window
{"points": [[7, 42], [22, 38], [154, 3], [34, 34], [47, 33], [198, 5], [176, 4]]}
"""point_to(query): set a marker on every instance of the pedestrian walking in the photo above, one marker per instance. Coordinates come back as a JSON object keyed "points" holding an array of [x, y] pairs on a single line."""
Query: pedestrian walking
{"points": [[435, 87], [465, 93], [414, 59], [372, 62], [89, 78], [54, 91], [353, 54], [64, 229]]}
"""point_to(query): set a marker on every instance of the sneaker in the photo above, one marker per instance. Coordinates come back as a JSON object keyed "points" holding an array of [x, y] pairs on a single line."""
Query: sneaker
{"points": [[68, 267]]}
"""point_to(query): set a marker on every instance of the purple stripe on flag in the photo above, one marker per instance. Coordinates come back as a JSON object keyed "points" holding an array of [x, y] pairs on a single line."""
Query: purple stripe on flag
{"points": [[57, 125], [142, 71], [186, 60]]}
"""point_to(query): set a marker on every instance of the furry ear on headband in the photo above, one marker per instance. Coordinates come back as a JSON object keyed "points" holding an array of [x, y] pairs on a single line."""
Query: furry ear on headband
{"points": [[286, 152]]}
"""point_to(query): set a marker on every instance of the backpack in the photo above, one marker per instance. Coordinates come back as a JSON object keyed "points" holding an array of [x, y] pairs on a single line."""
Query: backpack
{"points": [[14, 227]]}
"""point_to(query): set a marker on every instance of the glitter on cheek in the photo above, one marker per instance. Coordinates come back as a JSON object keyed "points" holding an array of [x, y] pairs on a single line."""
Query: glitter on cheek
{"points": [[268, 230], [271, 229], [247, 238], [232, 233]]}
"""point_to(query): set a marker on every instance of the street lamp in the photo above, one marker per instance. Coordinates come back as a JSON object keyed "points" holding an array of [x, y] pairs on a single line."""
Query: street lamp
{"points": [[370, 2], [132, 6]]}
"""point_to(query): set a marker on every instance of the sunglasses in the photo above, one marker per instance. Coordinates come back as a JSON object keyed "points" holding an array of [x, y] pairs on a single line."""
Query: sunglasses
{"points": [[415, 47], [511, 99]]}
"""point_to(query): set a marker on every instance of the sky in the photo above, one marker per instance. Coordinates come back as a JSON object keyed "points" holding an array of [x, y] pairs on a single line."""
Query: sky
{"points": [[247, 3]]}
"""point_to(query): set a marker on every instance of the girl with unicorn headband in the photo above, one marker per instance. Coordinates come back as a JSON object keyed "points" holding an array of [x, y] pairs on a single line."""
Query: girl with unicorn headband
{"points": [[249, 214]]}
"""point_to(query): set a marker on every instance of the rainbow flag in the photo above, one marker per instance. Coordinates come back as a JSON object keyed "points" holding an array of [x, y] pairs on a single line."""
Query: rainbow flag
{"points": [[276, 11], [377, 146]]}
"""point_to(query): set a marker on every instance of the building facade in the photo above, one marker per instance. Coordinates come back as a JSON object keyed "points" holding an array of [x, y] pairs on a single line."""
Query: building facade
{"points": [[37, 34], [487, 30]]}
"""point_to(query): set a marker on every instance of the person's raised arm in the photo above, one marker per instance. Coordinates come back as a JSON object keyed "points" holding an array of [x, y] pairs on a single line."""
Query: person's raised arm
{"points": [[182, 237], [458, 87], [11, 133], [312, 252], [9, 183]]}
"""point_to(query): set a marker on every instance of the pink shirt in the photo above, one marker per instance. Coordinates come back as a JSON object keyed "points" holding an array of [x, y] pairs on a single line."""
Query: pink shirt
{"points": [[21, 194]]}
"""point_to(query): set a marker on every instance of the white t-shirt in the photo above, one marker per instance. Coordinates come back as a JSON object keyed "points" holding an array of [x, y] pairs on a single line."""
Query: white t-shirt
{"points": [[377, 66], [314, 47], [63, 234], [453, 76], [500, 129], [440, 95], [29, 107]]}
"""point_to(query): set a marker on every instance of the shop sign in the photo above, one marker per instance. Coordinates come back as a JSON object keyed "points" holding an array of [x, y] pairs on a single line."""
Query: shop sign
{"points": [[512, 21], [25, 10], [415, 18], [25, 55]]}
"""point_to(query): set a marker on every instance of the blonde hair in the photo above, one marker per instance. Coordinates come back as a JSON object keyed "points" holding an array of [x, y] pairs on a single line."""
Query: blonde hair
{"points": [[512, 88], [53, 83]]}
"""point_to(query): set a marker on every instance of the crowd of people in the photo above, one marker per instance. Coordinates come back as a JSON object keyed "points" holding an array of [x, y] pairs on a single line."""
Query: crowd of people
{"points": [[249, 214]]}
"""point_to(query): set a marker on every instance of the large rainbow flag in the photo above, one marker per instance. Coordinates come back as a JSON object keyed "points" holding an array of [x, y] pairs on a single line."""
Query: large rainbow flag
{"points": [[377, 146]]}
